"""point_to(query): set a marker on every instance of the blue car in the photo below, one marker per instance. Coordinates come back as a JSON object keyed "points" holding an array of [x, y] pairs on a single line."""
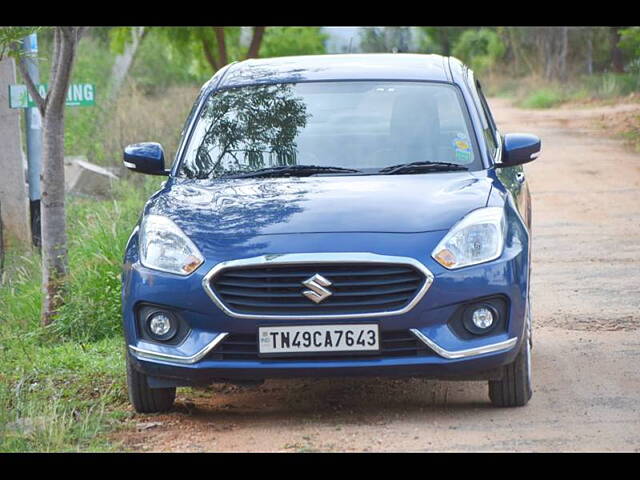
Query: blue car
{"points": [[336, 215]]}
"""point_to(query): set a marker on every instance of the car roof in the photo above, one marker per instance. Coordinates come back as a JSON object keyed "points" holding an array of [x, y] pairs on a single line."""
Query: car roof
{"points": [[372, 66]]}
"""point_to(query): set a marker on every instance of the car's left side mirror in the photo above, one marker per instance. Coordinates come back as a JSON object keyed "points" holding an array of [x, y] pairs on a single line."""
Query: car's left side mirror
{"points": [[519, 148], [147, 157]]}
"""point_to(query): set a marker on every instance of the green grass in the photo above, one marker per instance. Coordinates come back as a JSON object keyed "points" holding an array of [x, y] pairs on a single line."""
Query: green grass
{"points": [[62, 388], [543, 98], [62, 397], [534, 92], [633, 138]]}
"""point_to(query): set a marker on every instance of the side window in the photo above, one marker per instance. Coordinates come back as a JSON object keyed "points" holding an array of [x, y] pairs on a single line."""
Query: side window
{"points": [[488, 125], [487, 110], [185, 127]]}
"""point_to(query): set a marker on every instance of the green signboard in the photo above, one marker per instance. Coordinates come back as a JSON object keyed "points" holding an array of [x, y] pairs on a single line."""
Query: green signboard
{"points": [[79, 95]]}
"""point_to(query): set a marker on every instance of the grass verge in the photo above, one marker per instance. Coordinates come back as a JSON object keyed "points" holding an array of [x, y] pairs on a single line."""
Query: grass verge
{"points": [[62, 387]]}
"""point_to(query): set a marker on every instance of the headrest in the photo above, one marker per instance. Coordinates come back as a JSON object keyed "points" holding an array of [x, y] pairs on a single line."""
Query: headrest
{"points": [[415, 113]]}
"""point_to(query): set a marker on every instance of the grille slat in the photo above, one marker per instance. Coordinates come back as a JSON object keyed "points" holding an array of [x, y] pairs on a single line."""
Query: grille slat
{"points": [[295, 293], [276, 283], [392, 344], [255, 273], [355, 288], [303, 301]]}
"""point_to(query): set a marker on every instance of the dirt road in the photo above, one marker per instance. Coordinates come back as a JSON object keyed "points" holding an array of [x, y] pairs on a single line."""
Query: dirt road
{"points": [[586, 357]]}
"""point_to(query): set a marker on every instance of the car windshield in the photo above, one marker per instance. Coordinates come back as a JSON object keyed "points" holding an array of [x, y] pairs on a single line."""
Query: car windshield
{"points": [[360, 127]]}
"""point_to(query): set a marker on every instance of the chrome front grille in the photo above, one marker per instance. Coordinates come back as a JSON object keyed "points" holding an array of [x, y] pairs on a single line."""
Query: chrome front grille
{"points": [[317, 289]]}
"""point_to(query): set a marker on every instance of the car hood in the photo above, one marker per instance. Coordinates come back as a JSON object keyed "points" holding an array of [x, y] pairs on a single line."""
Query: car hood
{"points": [[371, 203]]}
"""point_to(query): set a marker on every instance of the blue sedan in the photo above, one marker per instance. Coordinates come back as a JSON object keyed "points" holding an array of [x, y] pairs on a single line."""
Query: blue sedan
{"points": [[333, 215]]}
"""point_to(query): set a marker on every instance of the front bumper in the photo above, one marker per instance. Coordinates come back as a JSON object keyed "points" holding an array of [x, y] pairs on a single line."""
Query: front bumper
{"points": [[477, 363], [451, 356]]}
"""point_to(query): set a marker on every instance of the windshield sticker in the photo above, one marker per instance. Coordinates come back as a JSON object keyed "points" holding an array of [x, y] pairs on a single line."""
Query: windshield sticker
{"points": [[462, 149]]}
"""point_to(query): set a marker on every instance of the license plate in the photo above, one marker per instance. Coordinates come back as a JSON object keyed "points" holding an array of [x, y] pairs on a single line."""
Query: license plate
{"points": [[318, 339]]}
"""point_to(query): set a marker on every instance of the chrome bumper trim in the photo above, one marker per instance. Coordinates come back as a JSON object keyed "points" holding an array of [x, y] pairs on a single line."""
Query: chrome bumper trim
{"points": [[302, 258], [151, 355], [470, 352]]}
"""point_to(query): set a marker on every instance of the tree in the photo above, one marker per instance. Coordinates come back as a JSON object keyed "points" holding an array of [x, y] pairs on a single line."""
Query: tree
{"points": [[554, 48], [126, 55], [630, 44], [617, 61], [443, 37], [51, 107], [284, 41], [480, 49], [385, 39], [546, 51], [210, 48], [219, 45]]}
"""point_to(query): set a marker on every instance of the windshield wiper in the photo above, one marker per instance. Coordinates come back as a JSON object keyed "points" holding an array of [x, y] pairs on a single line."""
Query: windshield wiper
{"points": [[421, 167], [293, 170]]}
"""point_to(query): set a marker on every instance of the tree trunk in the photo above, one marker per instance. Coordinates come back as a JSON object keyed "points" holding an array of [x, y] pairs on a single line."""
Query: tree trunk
{"points": [[1, 247], [208, 54], [549, 61], [222, 47], [52, 206], [589, 51], [123, 62], [54, 232], [446, 45], [54, 236], [564, 52], [256, 41], [518, 51], [617, 63]]}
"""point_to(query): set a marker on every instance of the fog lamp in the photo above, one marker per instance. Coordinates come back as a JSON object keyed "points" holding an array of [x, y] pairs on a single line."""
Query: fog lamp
{"points": [[162, 326], [482, 318]]}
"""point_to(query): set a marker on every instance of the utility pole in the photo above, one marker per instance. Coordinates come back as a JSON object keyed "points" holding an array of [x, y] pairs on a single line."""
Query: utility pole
{"points": [[33, 125]]}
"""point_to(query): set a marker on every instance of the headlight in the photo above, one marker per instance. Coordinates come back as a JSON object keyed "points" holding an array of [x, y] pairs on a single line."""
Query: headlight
{"points": [[163, 246], [477, 238]]}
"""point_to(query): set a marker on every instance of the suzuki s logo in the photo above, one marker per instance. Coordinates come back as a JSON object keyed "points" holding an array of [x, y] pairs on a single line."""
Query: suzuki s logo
{"points": [[316, 291]]}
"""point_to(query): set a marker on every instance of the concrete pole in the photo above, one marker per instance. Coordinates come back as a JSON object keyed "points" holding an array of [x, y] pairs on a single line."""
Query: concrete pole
{"points": [[13, 188], [33, 124]]}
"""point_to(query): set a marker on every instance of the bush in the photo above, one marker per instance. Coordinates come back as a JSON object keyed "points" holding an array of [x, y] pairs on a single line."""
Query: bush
{"points": [[97, 232], [608, 85], [630, 41], [480, 49], [543, 98]]}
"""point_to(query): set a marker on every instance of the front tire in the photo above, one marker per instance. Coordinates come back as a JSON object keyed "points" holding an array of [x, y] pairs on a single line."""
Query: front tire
{"points": [[145, 399], [514, 389]]}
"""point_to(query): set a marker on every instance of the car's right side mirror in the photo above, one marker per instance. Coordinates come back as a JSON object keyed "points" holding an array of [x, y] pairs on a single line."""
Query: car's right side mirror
{"points": [[519, 148], [147, 157]]}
